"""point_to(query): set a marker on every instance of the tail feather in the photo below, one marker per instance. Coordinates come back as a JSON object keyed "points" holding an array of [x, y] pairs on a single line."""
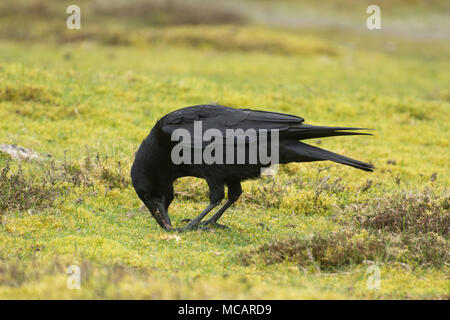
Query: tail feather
{"points": [[298, 151], [305, 131]]}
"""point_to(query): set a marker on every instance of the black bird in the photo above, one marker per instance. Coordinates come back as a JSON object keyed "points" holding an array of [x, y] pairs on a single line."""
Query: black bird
{"points": [[154, 169]]}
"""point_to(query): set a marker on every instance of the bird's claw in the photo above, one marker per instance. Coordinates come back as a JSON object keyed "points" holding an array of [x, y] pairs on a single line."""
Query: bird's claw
{"points": [[214, 224], [187, 228], [201, 226]]}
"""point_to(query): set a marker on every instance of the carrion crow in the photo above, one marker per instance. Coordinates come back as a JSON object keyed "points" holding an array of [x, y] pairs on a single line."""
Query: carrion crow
{"points": [[157, 164]]}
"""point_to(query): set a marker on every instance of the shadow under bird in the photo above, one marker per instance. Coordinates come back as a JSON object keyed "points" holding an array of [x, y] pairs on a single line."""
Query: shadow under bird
{"points": [[154, 171]]}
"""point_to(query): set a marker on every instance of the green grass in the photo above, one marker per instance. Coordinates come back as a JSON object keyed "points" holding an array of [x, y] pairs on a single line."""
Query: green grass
{"points": [[309, 232]]}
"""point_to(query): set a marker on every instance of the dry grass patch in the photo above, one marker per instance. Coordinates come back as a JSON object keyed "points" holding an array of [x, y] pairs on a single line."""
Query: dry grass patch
{"points": [[25, 93], [406, 227], [347, 248], [236, 38], [408, 212], [165, 12], [91, 171], [330, 251], [18, 192]]}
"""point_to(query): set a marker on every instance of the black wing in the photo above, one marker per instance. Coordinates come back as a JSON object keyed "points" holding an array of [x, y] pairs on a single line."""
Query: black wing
{"points": [[223, 118]]}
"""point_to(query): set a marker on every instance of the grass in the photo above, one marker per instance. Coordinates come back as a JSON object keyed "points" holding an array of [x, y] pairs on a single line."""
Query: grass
{"points": [[309, 232], [410, 229]]}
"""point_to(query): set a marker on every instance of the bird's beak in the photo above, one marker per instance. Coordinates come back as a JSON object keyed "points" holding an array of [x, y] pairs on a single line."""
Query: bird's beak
{"points": [[162, 217]]}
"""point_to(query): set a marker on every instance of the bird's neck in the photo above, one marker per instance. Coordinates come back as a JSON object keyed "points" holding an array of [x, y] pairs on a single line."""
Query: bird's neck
{"points": [[152, 158]]}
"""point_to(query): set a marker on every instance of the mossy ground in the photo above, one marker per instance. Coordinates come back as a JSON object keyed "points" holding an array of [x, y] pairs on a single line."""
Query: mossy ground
{"points": [[89, 105]]}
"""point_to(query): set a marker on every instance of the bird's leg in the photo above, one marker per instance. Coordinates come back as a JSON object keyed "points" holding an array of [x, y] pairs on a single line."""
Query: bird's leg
{"points": [[217, 215], [234, 192], [193, 224], [216, 195]]}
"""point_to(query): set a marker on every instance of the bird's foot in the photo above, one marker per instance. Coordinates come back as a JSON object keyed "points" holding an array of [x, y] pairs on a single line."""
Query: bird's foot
{"points": [[191, 228], [202, 225], [214, 224]]}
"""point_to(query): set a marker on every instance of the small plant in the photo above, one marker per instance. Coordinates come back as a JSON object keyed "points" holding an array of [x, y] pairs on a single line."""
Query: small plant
{"points": [[18, 192], [349, 247], [403, 212], [329, 251], [114, 177], [24, 93], [267, 186]]}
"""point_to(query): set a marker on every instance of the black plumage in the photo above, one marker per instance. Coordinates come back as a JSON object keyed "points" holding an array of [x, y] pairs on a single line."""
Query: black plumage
{"points": [[154, 171]]}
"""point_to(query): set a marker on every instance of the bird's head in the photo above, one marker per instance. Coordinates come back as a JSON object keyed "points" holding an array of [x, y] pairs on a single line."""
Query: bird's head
{"points": [[158, 208], [155, 195]]}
